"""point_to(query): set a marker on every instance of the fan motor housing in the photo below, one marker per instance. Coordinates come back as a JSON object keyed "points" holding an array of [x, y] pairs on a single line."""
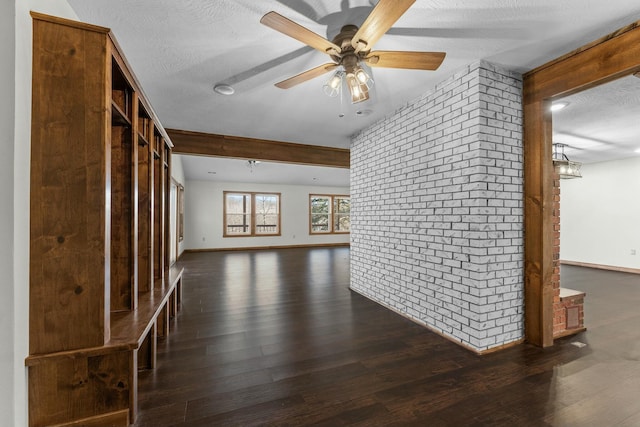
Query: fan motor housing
{"points": [[343, 39]]}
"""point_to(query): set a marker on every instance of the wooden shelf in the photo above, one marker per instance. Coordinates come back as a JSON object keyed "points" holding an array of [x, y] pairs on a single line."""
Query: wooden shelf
{"points": [[118, 117], [142, 141], [100, 290]]}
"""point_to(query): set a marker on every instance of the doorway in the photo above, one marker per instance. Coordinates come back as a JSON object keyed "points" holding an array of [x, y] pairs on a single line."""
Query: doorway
{"points": [[595, 139], [173, 222], [614, 56]]}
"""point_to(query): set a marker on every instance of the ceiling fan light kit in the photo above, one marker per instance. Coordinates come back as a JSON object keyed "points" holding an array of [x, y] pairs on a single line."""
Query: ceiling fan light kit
{"points": [[252, 164], [351, 49], [333, 86], [359, 91]]}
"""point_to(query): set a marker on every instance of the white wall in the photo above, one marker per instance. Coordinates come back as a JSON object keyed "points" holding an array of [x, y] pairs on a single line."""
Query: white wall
{"points": [[15, 88], [177, 173], [7, 123], [437, 210], [204, 220], [600, 214]]}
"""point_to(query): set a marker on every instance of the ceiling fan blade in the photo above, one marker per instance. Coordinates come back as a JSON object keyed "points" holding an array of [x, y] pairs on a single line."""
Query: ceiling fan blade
{"points": [[407, 60], [298, 32], [381, 18], [306, 75]]}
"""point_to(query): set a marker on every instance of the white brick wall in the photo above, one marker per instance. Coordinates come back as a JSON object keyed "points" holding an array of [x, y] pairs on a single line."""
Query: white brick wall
{"points": [[437, 210]]}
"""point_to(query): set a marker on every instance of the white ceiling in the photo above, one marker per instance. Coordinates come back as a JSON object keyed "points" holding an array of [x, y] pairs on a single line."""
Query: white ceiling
{"points": [[601, 123], [180, 49], [199, 168]]}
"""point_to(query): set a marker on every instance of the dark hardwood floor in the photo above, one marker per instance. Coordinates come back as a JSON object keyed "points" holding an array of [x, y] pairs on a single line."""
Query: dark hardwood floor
{"points": [[276, 338]]}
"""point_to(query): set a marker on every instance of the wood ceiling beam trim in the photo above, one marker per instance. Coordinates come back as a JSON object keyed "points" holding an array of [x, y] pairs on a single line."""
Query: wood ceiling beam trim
{"points": [[207, 144], [601, 61]]}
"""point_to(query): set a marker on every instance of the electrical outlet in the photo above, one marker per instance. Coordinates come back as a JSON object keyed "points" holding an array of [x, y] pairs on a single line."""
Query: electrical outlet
{"points": [[633, 251], [203, 238]]}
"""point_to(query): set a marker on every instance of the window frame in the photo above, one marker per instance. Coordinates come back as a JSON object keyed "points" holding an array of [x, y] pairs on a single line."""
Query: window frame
{"points": [[332, 214], [252, 215]]}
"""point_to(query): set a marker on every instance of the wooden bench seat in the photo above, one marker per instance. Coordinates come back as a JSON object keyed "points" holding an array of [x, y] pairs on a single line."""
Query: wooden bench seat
{"points": [[108, 372], [129, 328]]}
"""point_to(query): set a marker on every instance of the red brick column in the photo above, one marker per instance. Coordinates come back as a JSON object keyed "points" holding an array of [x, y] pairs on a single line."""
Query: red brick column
{"points": [[559, 313]]}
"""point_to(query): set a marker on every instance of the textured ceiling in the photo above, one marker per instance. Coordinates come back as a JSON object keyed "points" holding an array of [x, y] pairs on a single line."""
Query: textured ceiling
{"points": [[180, 49], [199, 168], [601, 123]]}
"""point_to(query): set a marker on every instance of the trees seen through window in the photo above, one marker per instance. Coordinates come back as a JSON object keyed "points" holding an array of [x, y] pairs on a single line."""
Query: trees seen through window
{"points": [[251, 214], [329, 214]]}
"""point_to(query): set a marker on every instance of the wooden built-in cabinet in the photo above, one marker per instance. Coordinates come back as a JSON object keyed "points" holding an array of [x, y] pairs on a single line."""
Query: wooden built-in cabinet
{"points": [[101, 290]]}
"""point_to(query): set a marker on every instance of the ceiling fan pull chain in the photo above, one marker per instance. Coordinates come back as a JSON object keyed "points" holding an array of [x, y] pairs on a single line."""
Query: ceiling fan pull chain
{"points": [[341, 113]]}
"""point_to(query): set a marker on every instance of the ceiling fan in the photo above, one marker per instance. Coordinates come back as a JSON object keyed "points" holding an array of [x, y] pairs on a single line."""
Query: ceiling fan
{"points": [[352, 47]]}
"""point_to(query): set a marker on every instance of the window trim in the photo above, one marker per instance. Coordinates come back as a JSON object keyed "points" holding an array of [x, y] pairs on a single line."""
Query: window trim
{"points": [[331, 214], [252, 215]]}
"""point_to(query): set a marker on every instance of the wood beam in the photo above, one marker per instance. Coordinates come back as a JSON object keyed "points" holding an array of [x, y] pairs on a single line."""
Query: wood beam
{"points": [[538, 224], [206, 144], [608, 58]]}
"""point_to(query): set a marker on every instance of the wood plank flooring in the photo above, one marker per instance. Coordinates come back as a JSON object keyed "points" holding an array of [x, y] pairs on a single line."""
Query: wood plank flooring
{"points": [[276, 338]]}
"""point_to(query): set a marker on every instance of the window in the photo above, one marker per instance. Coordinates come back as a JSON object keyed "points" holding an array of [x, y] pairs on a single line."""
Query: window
{"points": [[251, 214], [329, 214], [180, 212], [342, 214]]}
